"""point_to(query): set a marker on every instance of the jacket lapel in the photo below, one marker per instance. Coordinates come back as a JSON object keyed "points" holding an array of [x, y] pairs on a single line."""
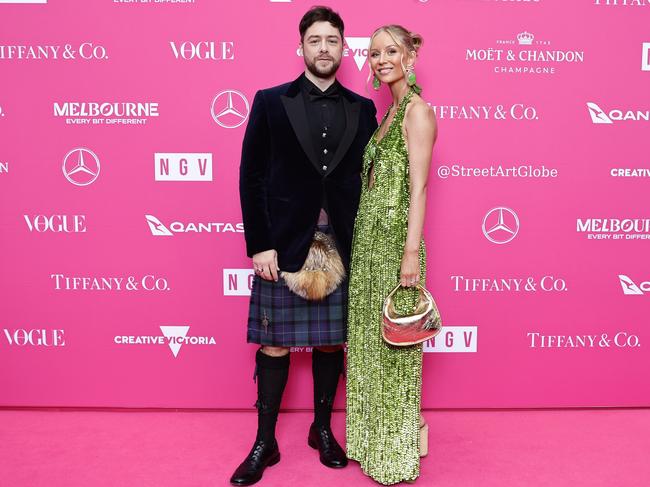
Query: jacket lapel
{"points": [[294, 105]]}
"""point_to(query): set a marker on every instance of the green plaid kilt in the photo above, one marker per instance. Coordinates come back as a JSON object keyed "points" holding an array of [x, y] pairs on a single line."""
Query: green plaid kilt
{"points": [[280, 318]]}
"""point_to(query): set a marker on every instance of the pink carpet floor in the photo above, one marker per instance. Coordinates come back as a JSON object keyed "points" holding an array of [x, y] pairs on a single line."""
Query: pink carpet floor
{"points": [[50, 448]]}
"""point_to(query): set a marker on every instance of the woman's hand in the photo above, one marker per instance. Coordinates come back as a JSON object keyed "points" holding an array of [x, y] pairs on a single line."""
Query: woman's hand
{"points": [[410, 271]]}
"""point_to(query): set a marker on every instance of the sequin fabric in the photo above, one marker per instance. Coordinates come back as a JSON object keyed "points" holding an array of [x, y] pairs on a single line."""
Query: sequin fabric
{"points": [[383, 382]]}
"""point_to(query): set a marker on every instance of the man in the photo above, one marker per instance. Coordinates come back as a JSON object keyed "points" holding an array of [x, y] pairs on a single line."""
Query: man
{"points": [[300, 171]]}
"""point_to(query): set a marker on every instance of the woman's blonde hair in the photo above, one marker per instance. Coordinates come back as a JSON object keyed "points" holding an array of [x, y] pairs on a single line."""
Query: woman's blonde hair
{"points": [[409, 41]]}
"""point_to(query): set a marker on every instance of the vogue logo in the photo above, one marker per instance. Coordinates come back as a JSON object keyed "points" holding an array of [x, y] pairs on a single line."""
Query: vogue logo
{"points": [[173, 336], [238, 282], [35, 338], [453, 339], [630, 288], [203, 50], [598, 116], [158, 229], [190, 166], [56, 223], [87, 51]]}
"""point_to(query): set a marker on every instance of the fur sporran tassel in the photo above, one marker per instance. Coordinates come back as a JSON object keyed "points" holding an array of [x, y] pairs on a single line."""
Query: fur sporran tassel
{"points": [[322, 272]]}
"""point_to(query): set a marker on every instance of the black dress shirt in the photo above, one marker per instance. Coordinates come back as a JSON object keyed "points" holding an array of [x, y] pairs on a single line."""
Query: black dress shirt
{"points": [[326, 118]]}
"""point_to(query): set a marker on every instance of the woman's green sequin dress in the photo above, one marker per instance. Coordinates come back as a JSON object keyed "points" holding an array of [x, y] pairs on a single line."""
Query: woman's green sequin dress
{"points": [[383, 382]]}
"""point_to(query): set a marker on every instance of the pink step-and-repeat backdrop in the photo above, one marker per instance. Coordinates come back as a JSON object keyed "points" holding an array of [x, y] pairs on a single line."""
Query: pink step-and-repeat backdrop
{"points": [[123, 276]]}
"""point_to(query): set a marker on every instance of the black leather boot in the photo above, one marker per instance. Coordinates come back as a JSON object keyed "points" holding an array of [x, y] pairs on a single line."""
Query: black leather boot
{"points": [[326, 368], [272, 374]]}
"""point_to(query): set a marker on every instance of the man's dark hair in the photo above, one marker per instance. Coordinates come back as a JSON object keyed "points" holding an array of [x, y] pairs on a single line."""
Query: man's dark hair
{"points": [[320, 14]]}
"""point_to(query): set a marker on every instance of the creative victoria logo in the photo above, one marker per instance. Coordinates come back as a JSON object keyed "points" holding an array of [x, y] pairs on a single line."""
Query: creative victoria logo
{"points": [[173, 336], [186, 166], [36, 337], [527, 55], [500, 225], [106, 113], [203, 50], [238, 282], [81, 166], [630, 288], [159, 229], [358, 48], [86, 51], [508, 284], [229, 109], [453, 339], [516, 111], [614, 228], [599, 116]]}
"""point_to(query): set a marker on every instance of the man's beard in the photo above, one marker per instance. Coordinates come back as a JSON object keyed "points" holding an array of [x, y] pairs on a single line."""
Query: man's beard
{"points": [[313, 69]]}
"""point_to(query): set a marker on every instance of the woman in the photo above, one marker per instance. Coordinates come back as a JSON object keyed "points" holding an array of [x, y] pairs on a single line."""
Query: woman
{"points": [[384, 382]]}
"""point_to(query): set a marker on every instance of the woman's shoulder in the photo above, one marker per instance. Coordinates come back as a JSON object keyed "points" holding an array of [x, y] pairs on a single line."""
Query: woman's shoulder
{"points": [[419, 112]]}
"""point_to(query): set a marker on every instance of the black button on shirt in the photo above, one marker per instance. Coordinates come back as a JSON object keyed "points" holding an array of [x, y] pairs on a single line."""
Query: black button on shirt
{"points": [[326, 119]]}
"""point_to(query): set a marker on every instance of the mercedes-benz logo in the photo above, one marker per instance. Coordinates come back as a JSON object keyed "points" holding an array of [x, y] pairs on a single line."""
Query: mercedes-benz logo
{"points": [[500, 225], [230, 109], [81, 166]]}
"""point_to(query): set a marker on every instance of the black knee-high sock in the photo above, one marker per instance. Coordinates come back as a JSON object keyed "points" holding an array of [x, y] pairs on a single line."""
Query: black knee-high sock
{"points": [[326, 368], [272, 374]]}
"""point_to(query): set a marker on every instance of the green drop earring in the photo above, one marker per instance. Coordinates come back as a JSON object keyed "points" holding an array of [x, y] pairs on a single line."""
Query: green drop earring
{"points": [[376, 84], [410, 76]]}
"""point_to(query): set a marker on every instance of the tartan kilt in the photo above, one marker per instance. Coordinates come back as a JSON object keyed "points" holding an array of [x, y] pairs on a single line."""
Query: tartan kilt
{"points": [[278, 317]]}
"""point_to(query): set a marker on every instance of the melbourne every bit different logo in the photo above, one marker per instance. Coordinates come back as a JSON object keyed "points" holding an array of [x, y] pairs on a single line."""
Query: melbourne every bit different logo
{"points": [[614, 228], [173, 336], [105, 113], [528, 55], [159, 229]]}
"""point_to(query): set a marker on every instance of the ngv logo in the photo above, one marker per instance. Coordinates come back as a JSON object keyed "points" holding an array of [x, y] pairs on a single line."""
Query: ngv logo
{"points": [[630, 288], [645, 58], [183, 167], [598, 115], [238, 282], [56, 223], [36, 338], [453, 339], [203, 50]]}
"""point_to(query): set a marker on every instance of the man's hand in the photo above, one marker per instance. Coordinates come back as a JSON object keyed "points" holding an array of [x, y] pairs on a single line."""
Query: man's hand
{"points": [[266, 265]]}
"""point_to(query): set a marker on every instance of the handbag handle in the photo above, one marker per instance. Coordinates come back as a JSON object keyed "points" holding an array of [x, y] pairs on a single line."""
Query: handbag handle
{"points": [[424, 306]]}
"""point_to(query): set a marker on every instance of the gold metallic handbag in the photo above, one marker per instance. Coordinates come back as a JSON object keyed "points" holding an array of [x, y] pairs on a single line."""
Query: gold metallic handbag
{"points": [[322, 272], [421, 325]]}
